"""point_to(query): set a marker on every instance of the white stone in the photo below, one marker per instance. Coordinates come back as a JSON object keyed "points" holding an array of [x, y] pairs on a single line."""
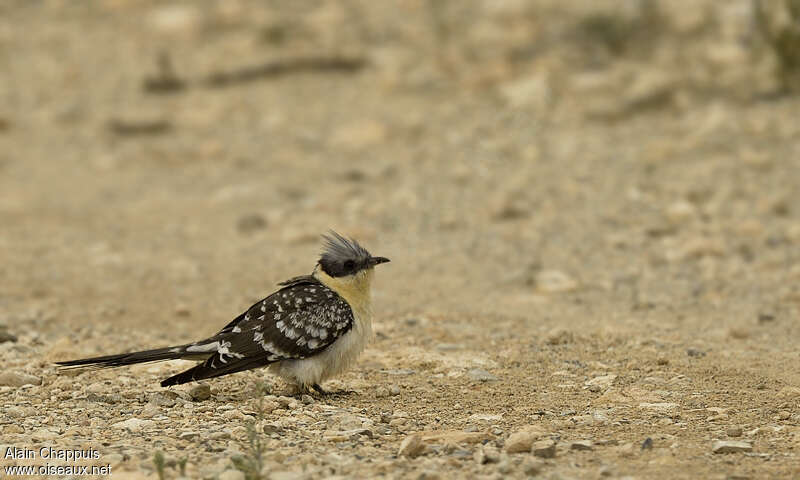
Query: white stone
{"points": [[555, 281], [680, 212], [544, 449], [485, 417], [662, 406], [581, 445], [731, 446], [13, 379], [603, 381], [134, 424], [522, 440], [411, 446], [532, 91]]}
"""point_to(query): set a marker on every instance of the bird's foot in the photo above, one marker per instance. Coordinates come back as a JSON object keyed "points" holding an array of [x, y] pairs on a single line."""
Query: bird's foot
{"points": [[318, 389], [324, 393]]}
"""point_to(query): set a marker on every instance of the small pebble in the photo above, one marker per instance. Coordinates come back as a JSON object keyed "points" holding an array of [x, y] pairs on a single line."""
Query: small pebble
{"points": [[554, 281], [731, 446], [485, 417], [581, 445], [150, 410], [13, 429], [134, 424], [268, 406], [559, 336], [680, 212], [481, 375], [200, 392], [188, 435], [739, 333], [96, 387], [381, 392], [6, 336], [626, 449], [765, 318], [270, 428], [603, 381], [607, 442], [734, 431], [163, 399], [411, 446], [522, 440], [13, 379], [544, 449], [18, 412]]}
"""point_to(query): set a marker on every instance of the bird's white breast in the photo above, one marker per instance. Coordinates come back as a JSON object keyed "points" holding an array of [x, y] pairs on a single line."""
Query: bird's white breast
{"points": [[343, 352]]}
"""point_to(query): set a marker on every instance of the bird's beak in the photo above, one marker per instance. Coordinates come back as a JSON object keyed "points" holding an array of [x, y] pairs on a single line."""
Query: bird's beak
{"points": [[376, 260]]}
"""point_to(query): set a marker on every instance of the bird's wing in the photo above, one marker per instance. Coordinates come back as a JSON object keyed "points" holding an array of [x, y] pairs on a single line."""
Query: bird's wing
{"points": [[301, 280], [298, 321]]}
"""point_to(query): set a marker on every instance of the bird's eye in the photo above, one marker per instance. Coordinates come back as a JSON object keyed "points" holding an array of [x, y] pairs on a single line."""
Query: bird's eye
{"points": [[349, 265]]}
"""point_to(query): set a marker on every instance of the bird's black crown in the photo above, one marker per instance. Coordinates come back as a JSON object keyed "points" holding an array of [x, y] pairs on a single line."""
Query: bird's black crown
{"points": [[343, 256]]}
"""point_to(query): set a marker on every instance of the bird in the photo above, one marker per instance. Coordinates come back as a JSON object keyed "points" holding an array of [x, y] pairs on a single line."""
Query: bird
{"points": [[311, 329]]}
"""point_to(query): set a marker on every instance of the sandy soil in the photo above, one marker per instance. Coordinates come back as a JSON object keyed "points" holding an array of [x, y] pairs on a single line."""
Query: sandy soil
{"points": [[593, 216]]}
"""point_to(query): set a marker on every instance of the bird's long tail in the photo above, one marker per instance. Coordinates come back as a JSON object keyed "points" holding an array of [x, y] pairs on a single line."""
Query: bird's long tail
{"points": [[155, 355]]}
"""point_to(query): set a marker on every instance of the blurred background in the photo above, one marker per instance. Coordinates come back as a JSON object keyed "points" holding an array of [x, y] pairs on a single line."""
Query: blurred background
{"points": [[592, 211], [562, 162]]}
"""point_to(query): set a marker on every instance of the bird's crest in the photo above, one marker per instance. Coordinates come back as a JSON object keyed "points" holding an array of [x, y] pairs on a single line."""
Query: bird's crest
{"points": [[342, 256], [337, 248]]}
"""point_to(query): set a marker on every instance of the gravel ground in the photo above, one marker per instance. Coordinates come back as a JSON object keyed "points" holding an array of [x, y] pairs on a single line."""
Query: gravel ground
{"points": [[592, 211]]}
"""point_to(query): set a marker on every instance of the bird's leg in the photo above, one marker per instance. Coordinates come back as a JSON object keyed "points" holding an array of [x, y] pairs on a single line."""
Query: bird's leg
{"points": [[319, 389], [340, 393]]}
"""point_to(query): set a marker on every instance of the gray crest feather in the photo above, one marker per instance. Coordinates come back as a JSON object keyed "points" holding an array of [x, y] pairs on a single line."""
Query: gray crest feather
{"points": [[337, 247], [341, 255]]}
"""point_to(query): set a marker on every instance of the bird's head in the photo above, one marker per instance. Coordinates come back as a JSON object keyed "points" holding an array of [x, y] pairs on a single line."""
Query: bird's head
{"points": [[344, 259]]}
